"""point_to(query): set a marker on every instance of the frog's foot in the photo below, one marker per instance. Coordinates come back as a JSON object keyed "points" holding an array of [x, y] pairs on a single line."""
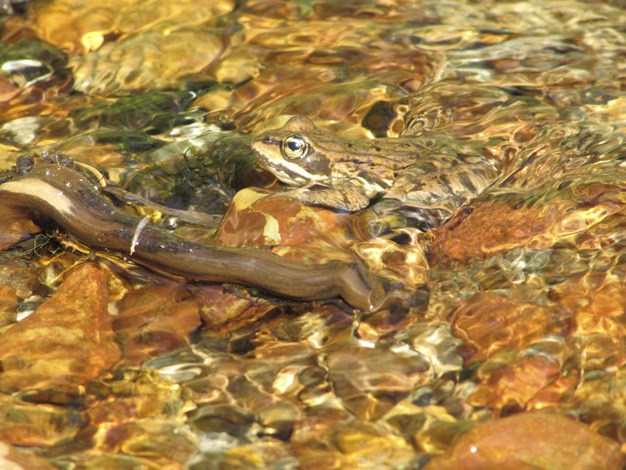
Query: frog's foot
{"points": [[424, 217], [368, 224], [390, 219]]}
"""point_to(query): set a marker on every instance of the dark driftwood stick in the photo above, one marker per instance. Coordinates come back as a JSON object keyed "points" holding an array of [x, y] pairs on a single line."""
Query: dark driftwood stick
{"points": [[56, 194]]}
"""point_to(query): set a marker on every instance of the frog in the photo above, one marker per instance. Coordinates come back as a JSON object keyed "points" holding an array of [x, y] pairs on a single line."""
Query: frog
{"points": [[428, 174]]}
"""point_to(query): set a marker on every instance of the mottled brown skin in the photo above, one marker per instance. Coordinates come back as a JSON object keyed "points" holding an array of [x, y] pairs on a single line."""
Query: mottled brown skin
{"points": [[347, 173], [55, 194], [420, 173]]}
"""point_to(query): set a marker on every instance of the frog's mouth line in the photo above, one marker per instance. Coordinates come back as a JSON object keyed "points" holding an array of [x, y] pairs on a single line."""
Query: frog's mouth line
{"points": [[287, 172], [289, 177]]}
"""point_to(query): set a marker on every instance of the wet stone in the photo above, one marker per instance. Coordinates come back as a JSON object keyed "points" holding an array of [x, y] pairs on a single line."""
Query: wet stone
{"points": [[255, 219], [145, 52], [531, 440], [488, 323], [84, 26], [30, 424], [17, 226], [154, 320], [364, 382], [501, 325], [10, 457], [519, 383], [40, 354]]}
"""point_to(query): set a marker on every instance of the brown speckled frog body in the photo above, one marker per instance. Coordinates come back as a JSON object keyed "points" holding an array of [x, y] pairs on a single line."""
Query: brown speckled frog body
{"points": [[421, 173]]}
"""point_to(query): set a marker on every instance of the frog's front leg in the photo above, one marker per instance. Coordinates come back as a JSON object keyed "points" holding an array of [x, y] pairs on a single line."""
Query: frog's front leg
{"points": [[348, 197]]}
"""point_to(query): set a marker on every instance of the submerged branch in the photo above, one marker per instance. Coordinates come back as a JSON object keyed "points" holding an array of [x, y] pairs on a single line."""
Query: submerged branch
{"points": [[58, 195]]}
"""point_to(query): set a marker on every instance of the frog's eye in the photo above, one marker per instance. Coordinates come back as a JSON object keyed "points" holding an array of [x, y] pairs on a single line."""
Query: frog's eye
{"points": [[294, 147]]}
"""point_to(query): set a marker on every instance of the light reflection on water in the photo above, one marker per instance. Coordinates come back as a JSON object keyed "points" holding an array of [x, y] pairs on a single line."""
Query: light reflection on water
{"points": [[524, 288]]}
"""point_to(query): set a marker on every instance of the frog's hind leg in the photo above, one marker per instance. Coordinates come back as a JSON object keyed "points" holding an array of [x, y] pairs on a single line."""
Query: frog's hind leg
{"points": [[423, 197]]}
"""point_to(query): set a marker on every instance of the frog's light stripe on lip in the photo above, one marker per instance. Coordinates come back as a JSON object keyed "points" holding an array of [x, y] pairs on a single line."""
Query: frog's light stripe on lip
{"points": [[41, 190], [286, 171], [286, 178], [291, 173]]}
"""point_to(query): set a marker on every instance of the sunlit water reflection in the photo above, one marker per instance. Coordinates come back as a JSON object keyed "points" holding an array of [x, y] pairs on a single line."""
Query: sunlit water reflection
{"points": [[518, 299]]}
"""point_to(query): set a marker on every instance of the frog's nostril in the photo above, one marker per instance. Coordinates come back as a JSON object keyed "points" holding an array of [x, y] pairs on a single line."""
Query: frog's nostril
{"points": [[267, 139]]}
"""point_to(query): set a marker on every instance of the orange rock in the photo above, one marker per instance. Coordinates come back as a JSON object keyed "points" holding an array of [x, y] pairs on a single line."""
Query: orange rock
{"points": [[30, 424], [597, 302], [8, 305], [404, 263], [35, 100], [79, 27], [531, 441], [326, 439], [299, 232], [16, 225], [228, 311], [156, 51], [314, 235], [553, 394], [154, 320], [11, 458], [489, 323], [517, 383], [485, 228], [65, 343], [370, 382], [8, 90], [507, 221]]}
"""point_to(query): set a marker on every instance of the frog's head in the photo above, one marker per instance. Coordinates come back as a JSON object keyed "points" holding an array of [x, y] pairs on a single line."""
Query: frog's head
{"points": [[291, 153]]}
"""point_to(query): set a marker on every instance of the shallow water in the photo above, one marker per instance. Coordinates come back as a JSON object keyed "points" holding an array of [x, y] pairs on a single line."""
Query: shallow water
{"points": [[516, 304]]}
